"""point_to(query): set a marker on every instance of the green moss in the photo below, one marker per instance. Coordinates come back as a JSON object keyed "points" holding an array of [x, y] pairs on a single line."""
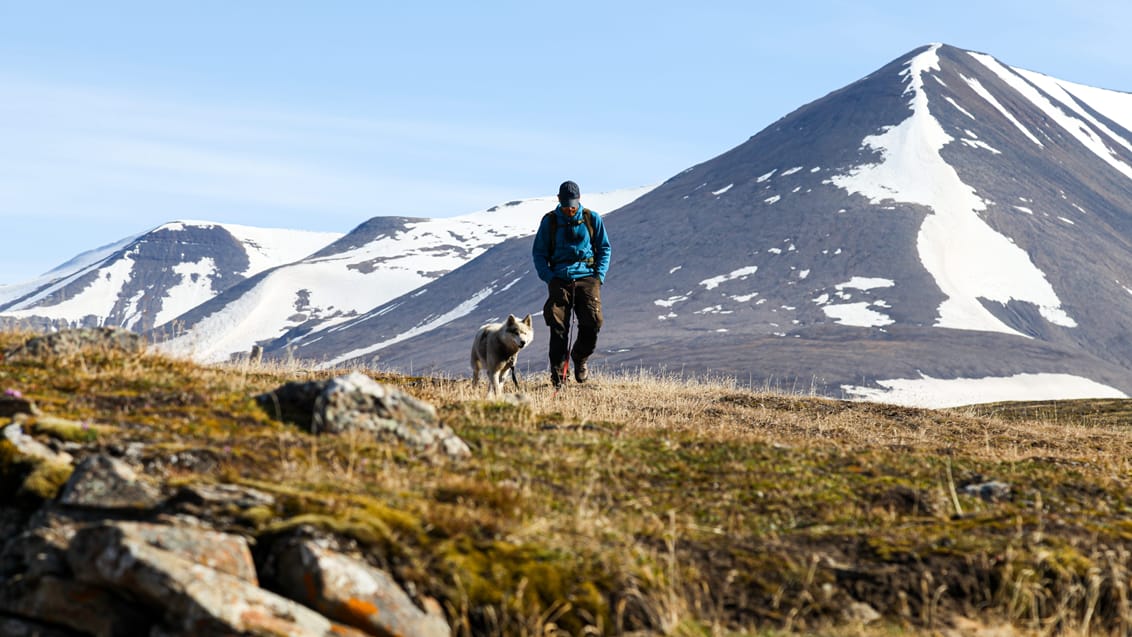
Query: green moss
{"points": [[527, 581], [46, 480], [68, 430]]}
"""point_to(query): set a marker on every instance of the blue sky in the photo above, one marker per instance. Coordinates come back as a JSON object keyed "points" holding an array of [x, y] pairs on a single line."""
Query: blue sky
{"points": [[116, 117]]}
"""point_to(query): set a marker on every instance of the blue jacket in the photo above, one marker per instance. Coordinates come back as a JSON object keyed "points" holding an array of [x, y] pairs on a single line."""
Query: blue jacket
{"points": [[572, 248]]}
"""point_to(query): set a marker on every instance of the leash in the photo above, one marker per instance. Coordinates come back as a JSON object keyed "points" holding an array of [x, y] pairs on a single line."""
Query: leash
{"points": [[571, 316]]}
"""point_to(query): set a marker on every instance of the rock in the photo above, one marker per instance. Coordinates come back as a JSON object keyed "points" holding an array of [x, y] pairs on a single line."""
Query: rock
{"points": [[89, 609], [357, 402], [36, 553], [860, 613], [70, 342], [993, 491], [19, 627], [103, 482], [221, 552], [30, 448], [30, 469], [194, 599], [225, 494], [352, 592], [12, 403]]}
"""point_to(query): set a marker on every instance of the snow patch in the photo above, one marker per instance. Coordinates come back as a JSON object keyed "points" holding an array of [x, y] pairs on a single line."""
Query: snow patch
{"points": [[856, 314], [741, 273], [968, 259], [938, 393]]}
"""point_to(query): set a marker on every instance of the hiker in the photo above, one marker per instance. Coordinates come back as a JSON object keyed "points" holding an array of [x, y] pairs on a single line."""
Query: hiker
{"points": [[571, 254]]}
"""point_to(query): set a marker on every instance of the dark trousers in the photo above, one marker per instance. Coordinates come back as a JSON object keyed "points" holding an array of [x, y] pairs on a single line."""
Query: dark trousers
{"points": [[582, 298]]}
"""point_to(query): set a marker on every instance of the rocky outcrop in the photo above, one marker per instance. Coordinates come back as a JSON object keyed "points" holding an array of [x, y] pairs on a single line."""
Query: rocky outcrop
{"points": [[356, 402], [116, 554], [70, 342]]}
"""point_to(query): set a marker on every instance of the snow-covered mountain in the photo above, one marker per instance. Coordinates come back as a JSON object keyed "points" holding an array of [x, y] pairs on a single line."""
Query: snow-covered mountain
{"points": [[150, 278], [379, 260], [948, 224]]}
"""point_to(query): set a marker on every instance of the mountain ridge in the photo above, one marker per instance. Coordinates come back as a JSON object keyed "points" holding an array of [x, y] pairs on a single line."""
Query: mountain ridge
{"points": [[821, 229]]}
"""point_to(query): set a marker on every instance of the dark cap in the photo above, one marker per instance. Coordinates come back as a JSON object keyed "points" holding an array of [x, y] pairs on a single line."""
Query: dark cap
{"points": [[569, 190]]}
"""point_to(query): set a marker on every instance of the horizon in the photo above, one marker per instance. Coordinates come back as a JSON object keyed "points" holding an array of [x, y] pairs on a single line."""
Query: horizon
{"points": [[121, 119]]}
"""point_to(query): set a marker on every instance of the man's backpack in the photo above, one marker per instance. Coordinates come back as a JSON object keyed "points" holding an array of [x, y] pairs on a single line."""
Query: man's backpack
{"points": [[587, 218]]}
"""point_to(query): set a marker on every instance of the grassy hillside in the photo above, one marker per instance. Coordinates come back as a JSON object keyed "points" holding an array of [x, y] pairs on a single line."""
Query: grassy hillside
{"points": [[654, 505]]}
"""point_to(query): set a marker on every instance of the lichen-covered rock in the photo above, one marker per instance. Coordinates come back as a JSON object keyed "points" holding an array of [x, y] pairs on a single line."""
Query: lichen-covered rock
{"points": [[222, 552], [356, 402], [70, 342], [352, 592], [235, 495], [103, 482], [194, 599]]}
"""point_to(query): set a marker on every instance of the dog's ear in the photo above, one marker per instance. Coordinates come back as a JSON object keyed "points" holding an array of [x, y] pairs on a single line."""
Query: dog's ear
{"points": [[527, 320], [511, 320]]}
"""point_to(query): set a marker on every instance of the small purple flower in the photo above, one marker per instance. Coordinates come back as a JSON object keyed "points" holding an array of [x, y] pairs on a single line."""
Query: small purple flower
{"points": [[13, 393], [85, 425]]}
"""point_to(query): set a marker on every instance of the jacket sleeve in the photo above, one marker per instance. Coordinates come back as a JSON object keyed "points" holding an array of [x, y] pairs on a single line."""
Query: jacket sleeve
{"points": [[601, 248], [539, 251]]}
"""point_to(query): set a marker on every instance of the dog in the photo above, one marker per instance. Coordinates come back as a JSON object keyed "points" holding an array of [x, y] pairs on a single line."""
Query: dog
{"points": [[495, 347]]}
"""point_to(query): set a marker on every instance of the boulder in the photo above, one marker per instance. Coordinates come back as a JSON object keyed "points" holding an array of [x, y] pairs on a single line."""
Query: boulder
{"points": [[70, 342], [352, 592], [356, 402], [221, 552], [104, 482], [194, 599]]}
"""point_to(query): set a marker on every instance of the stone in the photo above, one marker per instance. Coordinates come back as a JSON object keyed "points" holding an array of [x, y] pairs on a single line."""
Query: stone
{"points": [[225, 494], [89, 609], [70, 342], [356, 402], [20, 627], [104, 482], [193, 599], [30, 448], [993, 491], [12, 403], [352, 592], [223, 552]]}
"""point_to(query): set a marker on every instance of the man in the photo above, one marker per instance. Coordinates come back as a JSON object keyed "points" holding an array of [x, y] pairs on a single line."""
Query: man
{"points": [[571, 254]]}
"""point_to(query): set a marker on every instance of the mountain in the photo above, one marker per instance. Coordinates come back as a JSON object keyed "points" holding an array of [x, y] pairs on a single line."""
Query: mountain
{"points": [[150, 278], [947, 229], [379, 260]]}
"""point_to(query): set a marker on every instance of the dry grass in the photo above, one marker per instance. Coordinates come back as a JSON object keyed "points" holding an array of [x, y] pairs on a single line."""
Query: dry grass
{"points": [[663, 505]]}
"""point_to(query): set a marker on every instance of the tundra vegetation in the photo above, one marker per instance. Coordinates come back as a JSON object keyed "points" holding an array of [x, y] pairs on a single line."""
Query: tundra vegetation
{"points": [[651, 504]]}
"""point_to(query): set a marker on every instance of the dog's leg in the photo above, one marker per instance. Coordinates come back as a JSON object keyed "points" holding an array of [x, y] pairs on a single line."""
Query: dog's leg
{"points": [[475, 369]]}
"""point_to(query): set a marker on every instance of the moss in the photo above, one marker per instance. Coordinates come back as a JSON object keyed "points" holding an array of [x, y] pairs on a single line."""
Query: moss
{"points": [[46, 480], [527, 581], [257, 516], [69, 430]]}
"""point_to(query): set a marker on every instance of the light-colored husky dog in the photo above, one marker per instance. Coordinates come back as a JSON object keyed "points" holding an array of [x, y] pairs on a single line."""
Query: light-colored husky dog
{"points": [[495, 347]]}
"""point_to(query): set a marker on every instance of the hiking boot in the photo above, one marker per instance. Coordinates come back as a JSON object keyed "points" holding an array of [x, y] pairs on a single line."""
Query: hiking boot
{"points": [[581, 371], [556, 375]]}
